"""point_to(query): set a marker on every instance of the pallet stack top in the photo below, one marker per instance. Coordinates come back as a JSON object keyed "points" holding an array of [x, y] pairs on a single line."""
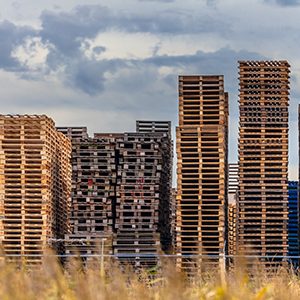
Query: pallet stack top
{"points": [[143, 126], [79, 132]]}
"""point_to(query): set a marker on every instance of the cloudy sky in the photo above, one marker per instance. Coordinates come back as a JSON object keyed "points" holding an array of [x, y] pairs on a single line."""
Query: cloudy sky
{"points": [[106, 63]]}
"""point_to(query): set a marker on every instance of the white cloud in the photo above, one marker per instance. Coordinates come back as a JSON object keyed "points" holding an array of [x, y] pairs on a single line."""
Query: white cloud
{"points": [[32, 53], [122, 45]]}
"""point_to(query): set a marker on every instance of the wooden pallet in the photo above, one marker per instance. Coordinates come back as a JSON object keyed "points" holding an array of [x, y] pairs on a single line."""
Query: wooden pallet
{"points": [[143, 126], [74, 132]]}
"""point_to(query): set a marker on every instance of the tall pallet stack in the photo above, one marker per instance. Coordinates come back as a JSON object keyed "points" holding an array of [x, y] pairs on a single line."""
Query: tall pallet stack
{"points": [[167, 205], [232, 218], [35, 185], [143, 198], [173, 218], [201, 170], [93, 194], [233, 180], [293, 225], [263, 159]]}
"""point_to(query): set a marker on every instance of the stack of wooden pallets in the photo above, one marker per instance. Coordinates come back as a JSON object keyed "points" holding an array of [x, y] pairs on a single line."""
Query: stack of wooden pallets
{"points": [[93, 196], [143, 198], [167, 201], [202, 170], [232, 217], [263, 160], [35, 184], [233, 181], [121, 188], [293, 225], [173, 218]]}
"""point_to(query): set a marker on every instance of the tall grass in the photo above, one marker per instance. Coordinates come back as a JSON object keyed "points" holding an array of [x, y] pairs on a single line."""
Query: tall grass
{"points": [[75, 281]]}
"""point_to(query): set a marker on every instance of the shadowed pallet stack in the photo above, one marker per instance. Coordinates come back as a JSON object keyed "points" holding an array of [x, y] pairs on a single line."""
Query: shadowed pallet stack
{"points": [[137, 198], [143, 221], [121, 193], [35, 185], [293, 225], [232, 217], [263, 159], [93, 194], [166, 205], [173, 218], [74, 132], [201, 169], [153, 126]]}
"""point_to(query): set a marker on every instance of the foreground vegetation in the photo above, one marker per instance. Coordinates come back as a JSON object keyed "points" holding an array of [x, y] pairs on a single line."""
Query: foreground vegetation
{"points": [[51, 281]]}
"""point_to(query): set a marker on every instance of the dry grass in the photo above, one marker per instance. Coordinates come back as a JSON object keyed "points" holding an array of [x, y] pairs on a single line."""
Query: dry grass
{"points": [[51, 281]]}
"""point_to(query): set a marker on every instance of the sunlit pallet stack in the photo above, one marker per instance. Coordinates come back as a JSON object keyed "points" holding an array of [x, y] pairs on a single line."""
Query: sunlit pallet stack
{"points": [[35, 185], [263, 160], [201, 170]]}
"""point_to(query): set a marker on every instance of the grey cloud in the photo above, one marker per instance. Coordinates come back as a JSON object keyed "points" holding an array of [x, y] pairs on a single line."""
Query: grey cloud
{"points": [[166, 1], [99, 49], [89, 75], [146, 88], [211, 2], [223, 61], [10, 37], [284, 2], [175, 22], [66, 31], [88, 20], [86, 76]]}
